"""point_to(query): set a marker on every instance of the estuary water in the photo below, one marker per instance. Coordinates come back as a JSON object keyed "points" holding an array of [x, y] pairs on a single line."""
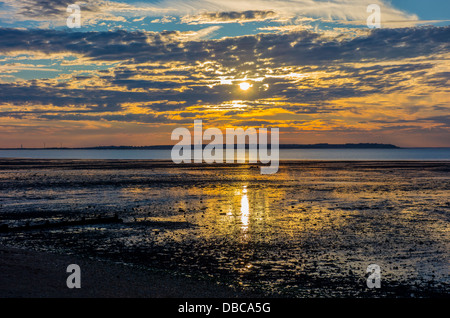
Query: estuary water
{"points": [[285, 154]]}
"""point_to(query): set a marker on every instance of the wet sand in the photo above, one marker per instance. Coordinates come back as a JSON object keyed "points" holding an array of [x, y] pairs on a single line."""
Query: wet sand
{"points": [[310, 230], [32, 274]]}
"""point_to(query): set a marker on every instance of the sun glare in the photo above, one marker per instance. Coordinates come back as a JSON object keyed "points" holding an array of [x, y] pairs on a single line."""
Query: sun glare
{"points": [[244, 86]]}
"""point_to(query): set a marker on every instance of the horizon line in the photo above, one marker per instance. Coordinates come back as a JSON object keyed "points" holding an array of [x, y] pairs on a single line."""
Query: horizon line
{"points": [[281, 146]]}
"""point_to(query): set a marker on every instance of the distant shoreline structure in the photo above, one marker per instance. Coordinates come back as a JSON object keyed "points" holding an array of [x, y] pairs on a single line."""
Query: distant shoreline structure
{"points": [[281, 146]]}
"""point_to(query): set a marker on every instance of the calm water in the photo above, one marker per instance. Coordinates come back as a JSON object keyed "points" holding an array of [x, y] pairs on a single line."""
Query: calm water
{"points": [[287, 154]]}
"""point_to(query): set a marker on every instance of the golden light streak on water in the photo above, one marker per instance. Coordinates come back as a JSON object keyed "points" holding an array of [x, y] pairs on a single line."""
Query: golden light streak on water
{"points": [[245, 210]]}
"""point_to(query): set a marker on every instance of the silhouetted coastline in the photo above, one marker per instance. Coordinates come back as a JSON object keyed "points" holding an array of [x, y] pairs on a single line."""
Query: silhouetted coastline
{"points": [[281, 146]]}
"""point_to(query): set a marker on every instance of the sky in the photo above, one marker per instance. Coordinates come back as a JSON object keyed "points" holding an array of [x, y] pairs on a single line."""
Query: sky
{"points": [[136, 70]]}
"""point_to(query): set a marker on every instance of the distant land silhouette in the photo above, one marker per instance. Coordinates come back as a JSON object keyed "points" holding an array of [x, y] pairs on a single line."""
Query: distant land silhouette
{"points": [[282, 146]]}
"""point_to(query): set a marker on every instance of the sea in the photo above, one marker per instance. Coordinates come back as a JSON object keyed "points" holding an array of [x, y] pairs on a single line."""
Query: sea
{"points": [[428, 154]]}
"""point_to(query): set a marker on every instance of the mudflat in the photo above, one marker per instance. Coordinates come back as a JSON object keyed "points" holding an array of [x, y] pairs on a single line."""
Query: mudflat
{"points": [[310, 230], [33, 274]]}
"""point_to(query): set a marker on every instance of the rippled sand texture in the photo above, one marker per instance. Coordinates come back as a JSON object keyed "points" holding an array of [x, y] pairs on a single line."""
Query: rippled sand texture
{"points": [[310, 230]]}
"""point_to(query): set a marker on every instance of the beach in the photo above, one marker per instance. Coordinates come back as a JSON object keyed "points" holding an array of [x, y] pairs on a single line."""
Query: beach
{"points": [[32, 274], [148, 228]]}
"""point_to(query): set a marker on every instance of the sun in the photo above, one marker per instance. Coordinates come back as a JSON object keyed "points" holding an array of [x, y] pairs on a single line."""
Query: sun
{"points": [[244, 86]]}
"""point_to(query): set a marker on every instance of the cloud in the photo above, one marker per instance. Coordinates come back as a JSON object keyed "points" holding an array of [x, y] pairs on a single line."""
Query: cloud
{"points": [[295, 48], [204, 11], [309, 71], [164, 19], [229, 17], [201, 34], [55, 10], [319, 81], [139, 118], [92, 11], [335, 10], [442, 121], [439, 79]]}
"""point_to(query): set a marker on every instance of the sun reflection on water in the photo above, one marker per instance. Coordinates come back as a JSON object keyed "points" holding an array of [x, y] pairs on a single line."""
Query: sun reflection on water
{"points": [[245, 210]]}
